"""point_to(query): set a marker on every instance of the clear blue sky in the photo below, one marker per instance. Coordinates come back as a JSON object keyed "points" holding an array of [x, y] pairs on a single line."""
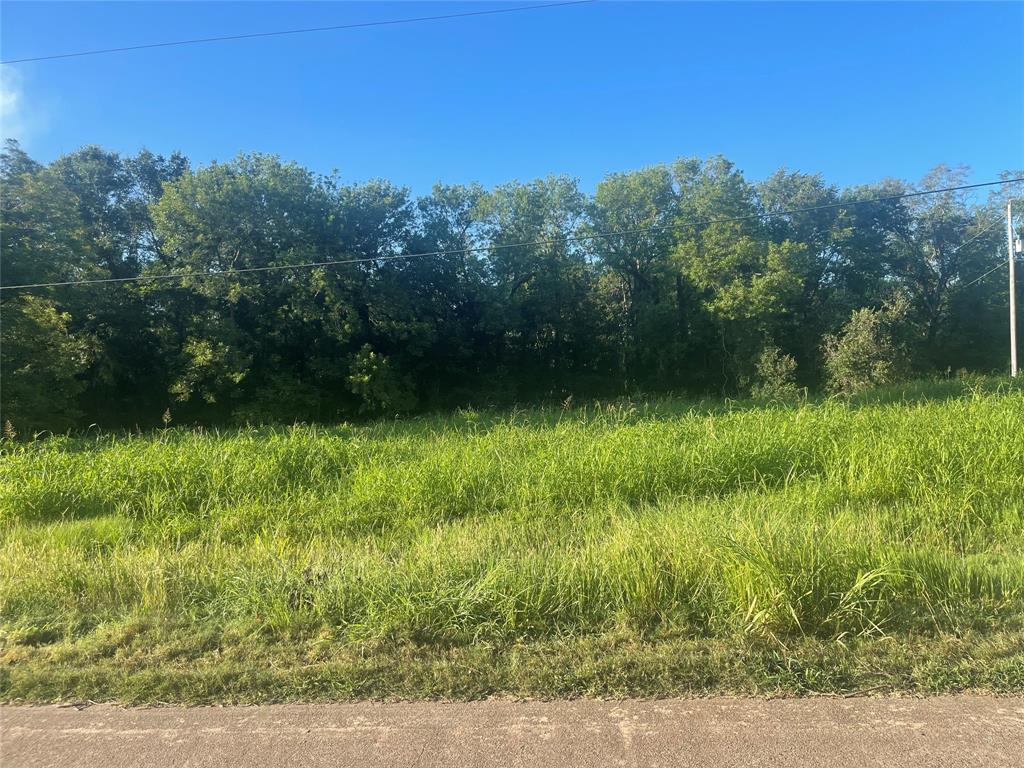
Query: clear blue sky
{"points": [[857, 91]]}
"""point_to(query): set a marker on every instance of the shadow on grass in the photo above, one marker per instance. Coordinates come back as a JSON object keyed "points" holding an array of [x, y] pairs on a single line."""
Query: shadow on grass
{"points": [[612, 411]]}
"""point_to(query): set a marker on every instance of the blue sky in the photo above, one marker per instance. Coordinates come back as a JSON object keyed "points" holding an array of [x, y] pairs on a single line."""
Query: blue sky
{"points": [[856, 91]]}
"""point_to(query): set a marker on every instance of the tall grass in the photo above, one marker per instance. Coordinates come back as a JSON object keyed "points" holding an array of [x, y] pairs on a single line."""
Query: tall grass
{"points": [[829, 522]]}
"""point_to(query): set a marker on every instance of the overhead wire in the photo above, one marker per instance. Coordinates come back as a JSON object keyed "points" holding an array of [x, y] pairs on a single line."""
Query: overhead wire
{"points": [[976, 235], [982, 276], [301, 31]]}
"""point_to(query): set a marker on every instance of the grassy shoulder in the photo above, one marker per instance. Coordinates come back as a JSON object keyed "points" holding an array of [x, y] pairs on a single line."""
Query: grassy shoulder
{"points": [[206, 666], [632, 549]]}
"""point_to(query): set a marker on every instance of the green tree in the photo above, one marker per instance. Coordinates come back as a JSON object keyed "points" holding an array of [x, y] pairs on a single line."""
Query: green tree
{"points": [[945, 243], [42, 239], [544, 285], [746, 283], [228, 336], [113, 195], [684, 276], [451, 295], [41, 366], [644, 305], [238, 338], [811, 311]]}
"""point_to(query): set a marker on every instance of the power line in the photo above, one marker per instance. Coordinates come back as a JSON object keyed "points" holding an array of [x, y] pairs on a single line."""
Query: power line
{"points": [[983, 276], [491, 248], [303, 31], [976, 235], [971, 240]]}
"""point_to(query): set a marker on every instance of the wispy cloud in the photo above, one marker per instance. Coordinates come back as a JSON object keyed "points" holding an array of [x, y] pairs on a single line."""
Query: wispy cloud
{"points": [[17, 121]]}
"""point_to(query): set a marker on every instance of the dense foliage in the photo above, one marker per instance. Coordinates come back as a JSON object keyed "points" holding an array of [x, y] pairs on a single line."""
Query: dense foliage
{"points": [[683, 305]]}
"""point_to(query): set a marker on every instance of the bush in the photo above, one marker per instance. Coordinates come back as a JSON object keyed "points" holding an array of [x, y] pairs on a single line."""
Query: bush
{"points": [[41, 366], [776, 375], [376, 381], [870, 351]]}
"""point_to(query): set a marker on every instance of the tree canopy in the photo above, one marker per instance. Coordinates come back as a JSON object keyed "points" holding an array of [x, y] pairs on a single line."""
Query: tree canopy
{"points": [[533, 291]]}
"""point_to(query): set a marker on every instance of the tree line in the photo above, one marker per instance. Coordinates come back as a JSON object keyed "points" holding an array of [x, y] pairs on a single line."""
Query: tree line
{"points": [[708, 288]]}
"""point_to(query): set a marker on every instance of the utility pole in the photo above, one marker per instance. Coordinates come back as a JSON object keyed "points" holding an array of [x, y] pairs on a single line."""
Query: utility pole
{"points": [[1013, 288]]}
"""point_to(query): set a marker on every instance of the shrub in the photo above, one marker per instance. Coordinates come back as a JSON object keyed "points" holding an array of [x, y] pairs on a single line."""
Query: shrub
{"points": [[870, 351], [776, 375], [376, 381], [41, 366]]}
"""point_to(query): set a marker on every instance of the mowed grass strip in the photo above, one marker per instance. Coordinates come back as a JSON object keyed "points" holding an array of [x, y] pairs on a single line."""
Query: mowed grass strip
{"points": [[606, 550]]}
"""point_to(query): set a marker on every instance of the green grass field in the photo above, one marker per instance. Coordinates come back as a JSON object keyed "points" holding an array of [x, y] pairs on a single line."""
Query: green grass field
{"points": [[645, 549]]}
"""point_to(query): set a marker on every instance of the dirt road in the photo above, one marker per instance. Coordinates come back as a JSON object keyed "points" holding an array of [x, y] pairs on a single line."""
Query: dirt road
{"points": [[943, 731]]}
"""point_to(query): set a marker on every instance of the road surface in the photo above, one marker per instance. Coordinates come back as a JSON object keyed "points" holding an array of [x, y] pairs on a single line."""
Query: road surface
{"points": [[720, 732]]}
